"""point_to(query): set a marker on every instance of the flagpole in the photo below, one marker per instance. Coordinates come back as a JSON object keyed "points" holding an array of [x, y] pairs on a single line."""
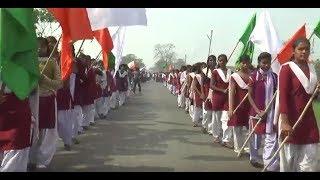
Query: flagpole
{"points": [[98, 55], [293, 127], [80, 48], [210, 40], [54, 48], [311, 35], [233, 50]]}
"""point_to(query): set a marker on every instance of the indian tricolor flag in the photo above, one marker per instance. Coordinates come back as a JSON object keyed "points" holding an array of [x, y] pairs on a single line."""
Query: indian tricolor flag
{"points": [[87, 23]]}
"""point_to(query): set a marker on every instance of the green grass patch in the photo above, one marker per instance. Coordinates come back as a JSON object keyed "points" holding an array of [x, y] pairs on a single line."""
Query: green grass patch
{"points": [[316, 108]]}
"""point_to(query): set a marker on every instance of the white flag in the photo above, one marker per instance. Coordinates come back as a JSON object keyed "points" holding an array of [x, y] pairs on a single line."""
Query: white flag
{"points": [[108, 17], [265, 37], [118, 43]]}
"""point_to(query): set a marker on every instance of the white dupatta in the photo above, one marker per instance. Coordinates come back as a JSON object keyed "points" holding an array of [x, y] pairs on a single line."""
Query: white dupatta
{"points": [[225, 78], [239, 81]]}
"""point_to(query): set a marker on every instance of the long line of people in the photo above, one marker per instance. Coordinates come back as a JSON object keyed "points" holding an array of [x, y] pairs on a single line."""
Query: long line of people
{"points": [[227, 105], [30, 128]]}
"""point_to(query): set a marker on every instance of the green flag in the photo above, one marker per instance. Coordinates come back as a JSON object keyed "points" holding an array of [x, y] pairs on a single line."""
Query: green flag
{"points": [[248, 49], [317, 30], [245, 36], [111, 60], [18, 50], [164, 65]]}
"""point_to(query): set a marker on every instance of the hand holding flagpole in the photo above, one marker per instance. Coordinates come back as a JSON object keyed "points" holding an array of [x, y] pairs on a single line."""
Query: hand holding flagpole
{"points": [[294, 126], [255, 127]]}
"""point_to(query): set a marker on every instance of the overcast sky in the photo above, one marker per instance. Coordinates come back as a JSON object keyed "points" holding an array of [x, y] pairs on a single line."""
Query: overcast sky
{"points": [[187, 29]]}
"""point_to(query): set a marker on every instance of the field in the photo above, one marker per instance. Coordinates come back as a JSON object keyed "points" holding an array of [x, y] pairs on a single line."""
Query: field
{"points": [[316, 107]]}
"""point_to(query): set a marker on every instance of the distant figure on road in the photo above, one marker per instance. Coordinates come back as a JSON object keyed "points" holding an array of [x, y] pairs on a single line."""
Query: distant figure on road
{"points": [[136, 79]]}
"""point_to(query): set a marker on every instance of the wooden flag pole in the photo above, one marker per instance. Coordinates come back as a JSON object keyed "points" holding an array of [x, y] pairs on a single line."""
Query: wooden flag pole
{"points": [[233, 50], [244, 98], [294, 127], [311, 35], [255, 127], [80, 48]]}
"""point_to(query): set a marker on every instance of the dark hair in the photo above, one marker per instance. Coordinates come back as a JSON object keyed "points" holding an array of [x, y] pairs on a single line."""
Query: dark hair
{"points": [[222, 56], [300, 40], [213, 57], [244, 58], [263, 55], [44, 41], [183, 68], [52, 39], [297, 42]]}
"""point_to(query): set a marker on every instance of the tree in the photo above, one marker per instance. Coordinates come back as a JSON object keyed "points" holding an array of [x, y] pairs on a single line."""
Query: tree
{"points": [[43, 20], [178, 63], [132, 57], [164, 55]]}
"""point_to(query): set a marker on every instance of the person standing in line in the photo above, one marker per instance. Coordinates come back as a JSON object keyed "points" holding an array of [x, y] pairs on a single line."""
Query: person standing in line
{"points": [[136, 79], [207, 104], [221, 132], [239, 84], [42, 151], [297, 82], [122, 83], [260, 94]]}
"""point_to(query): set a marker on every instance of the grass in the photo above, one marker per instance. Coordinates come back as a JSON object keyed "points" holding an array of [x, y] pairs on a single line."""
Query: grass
{"points": [[316, 108]]}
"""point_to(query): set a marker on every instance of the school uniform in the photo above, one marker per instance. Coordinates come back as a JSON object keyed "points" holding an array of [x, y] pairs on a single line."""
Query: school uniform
{"points": [[295, 89]]}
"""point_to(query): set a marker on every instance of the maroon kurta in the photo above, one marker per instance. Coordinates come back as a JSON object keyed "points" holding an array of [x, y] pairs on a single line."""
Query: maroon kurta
{"points": [[122, 83], [113, 86], [197, 99], [90, 87], [79, 80], [259, 96], [293, 99], [64, 99], [241, 116], [15, 123], [206, 87], [219, 99], [107, 91], [47, 114]]}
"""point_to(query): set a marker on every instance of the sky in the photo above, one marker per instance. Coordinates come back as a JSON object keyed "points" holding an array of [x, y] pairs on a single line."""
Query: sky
{"points": [[187, 29]]}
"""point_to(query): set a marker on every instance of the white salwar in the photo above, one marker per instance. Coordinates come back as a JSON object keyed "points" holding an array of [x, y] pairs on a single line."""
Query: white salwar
{"points": [[226, 130], [14, 160], [206, 121], [79, 116], [88, 113], [114, 99], [299, 158], [65, 123], [42, 152], [239, 134], [122, 97], [100, 107], [217, 124]]}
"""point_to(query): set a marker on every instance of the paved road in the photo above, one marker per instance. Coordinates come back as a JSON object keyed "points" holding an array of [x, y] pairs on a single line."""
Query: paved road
{"points": [[147, 134]]}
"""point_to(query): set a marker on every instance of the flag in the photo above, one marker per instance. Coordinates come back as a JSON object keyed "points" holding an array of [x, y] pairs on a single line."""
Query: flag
{"points": [[111, 60], [118, 40], [245, 36], [105, 40], [266, 38], [248, 47], [18, 42], [108, 17], [80, 23], [285, 53], [317, 30]]}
